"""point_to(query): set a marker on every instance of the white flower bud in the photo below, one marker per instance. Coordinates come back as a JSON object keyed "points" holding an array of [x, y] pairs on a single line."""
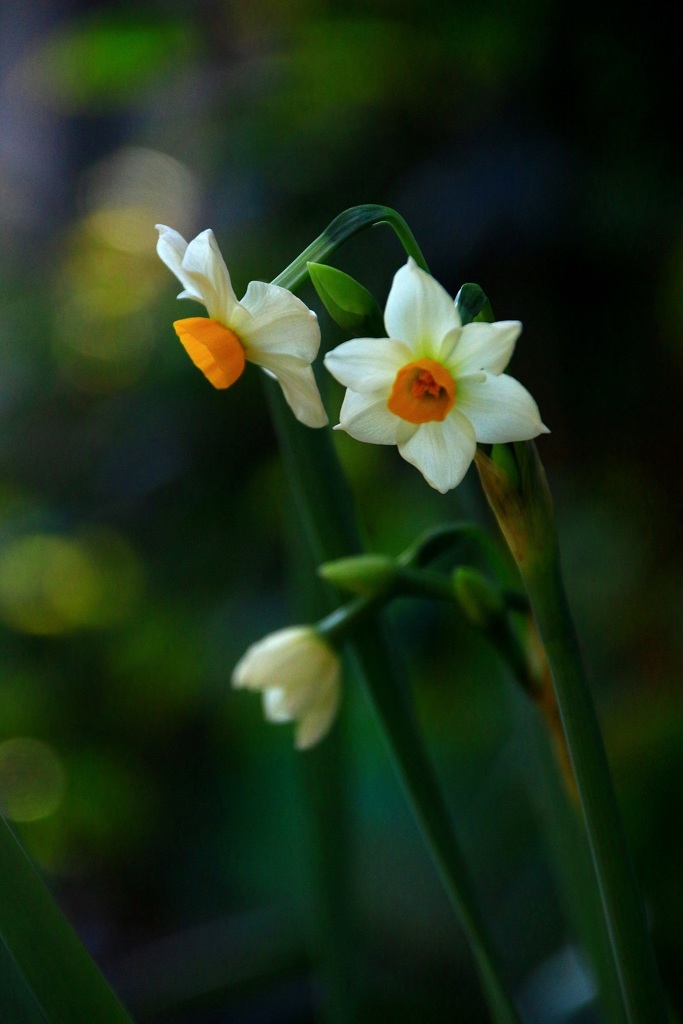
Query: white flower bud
{"points": [[298, 674]]}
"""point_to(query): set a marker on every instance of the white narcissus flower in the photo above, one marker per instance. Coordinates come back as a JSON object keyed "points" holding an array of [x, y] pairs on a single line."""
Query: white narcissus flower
{"points": [[433, 387], [298, 674], [270, 326]]}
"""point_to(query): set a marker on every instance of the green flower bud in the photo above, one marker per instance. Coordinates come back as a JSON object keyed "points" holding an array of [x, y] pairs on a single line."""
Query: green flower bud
{"points": [[365, 575], [479, 601], [349, 304], [472, 304]]}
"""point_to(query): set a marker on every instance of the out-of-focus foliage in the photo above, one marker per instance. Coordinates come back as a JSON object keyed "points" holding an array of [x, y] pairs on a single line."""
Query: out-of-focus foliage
{"points": [[144, 517]]}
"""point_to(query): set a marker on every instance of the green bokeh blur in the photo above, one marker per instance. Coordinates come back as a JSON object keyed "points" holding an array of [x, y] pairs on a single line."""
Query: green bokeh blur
{"points": [[146, 531]]}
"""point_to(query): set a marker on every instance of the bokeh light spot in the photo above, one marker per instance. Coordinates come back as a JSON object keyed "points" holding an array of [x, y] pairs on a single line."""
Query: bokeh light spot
{"points": [[52, 584], [32, 779], [133, 189]]}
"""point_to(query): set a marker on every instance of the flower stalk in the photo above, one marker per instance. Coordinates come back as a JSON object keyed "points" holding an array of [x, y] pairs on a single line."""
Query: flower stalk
{"points": [[326, 508], [525, 516]]}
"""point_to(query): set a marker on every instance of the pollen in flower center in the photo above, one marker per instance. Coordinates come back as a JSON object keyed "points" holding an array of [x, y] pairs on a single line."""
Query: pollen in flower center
{"points": [[423, 391], [212, 347]]}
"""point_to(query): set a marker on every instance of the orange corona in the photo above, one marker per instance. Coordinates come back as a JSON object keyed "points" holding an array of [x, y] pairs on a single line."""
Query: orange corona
{"points": [[422, 392], [213, 348]]}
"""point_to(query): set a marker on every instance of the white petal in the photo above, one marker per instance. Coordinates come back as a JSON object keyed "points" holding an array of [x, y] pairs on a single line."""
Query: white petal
{"points": [[272, 660], [368, 364], [441, 451], [285, 703], [485, 347], [368, 418], [171, 247], [204, 268], [275, 705], [297, 380], [419, 311], [499, 408], [315, 723], [443, 351], [278, 322]]}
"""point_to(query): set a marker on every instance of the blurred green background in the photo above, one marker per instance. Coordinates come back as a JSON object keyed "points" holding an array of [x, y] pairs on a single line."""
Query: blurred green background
{"points": [[145, 526]]}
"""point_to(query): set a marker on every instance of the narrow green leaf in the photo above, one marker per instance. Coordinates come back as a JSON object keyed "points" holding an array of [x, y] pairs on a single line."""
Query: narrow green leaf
{"points": [[54, 964], [16, 1001]]}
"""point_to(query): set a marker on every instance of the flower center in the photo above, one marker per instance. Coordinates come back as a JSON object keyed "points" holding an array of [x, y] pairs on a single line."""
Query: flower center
{"points": [[423, 391], [212, 347]]}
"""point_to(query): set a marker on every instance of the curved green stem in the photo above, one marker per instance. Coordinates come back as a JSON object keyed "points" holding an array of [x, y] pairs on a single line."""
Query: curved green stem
{"points": [[439, 539], [343, 227]]}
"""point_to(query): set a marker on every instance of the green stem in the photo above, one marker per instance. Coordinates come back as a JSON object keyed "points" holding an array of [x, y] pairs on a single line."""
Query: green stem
{"points": [[443, 539], [387, 692], [324, 782], [326, 509], [569, 852], [343, 227], [616, 877], [323, 772]]}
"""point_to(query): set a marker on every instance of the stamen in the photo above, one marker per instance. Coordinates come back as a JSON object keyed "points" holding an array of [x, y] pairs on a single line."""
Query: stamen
{"points": [[212, 347], [423, 391]]}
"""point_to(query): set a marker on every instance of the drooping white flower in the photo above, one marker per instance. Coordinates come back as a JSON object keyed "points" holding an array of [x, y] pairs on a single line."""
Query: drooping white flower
{"points": [[434, 387], [298, 674], [270, 326]]}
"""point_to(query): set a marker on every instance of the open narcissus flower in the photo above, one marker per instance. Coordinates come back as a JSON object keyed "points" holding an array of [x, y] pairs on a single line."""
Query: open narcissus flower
{"points": [[298, 673], [434, 387], [270, 326]]}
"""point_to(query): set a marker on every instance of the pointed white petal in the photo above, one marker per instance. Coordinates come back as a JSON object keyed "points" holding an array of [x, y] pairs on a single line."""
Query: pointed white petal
{"points": [[419, 311], [443, 351], [171, 247], [499, 408], [368, 418], [272, 319], [441, 451], [204, 268], [297, 380], [368, 364], [485, 347]]}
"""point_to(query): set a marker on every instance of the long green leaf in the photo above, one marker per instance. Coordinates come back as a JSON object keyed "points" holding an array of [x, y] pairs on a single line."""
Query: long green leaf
{"points": [[55, 966], [16, 1001]]}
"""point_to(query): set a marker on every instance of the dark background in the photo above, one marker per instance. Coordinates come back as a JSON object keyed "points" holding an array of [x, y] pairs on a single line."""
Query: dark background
{"points": [[144, 518]]}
